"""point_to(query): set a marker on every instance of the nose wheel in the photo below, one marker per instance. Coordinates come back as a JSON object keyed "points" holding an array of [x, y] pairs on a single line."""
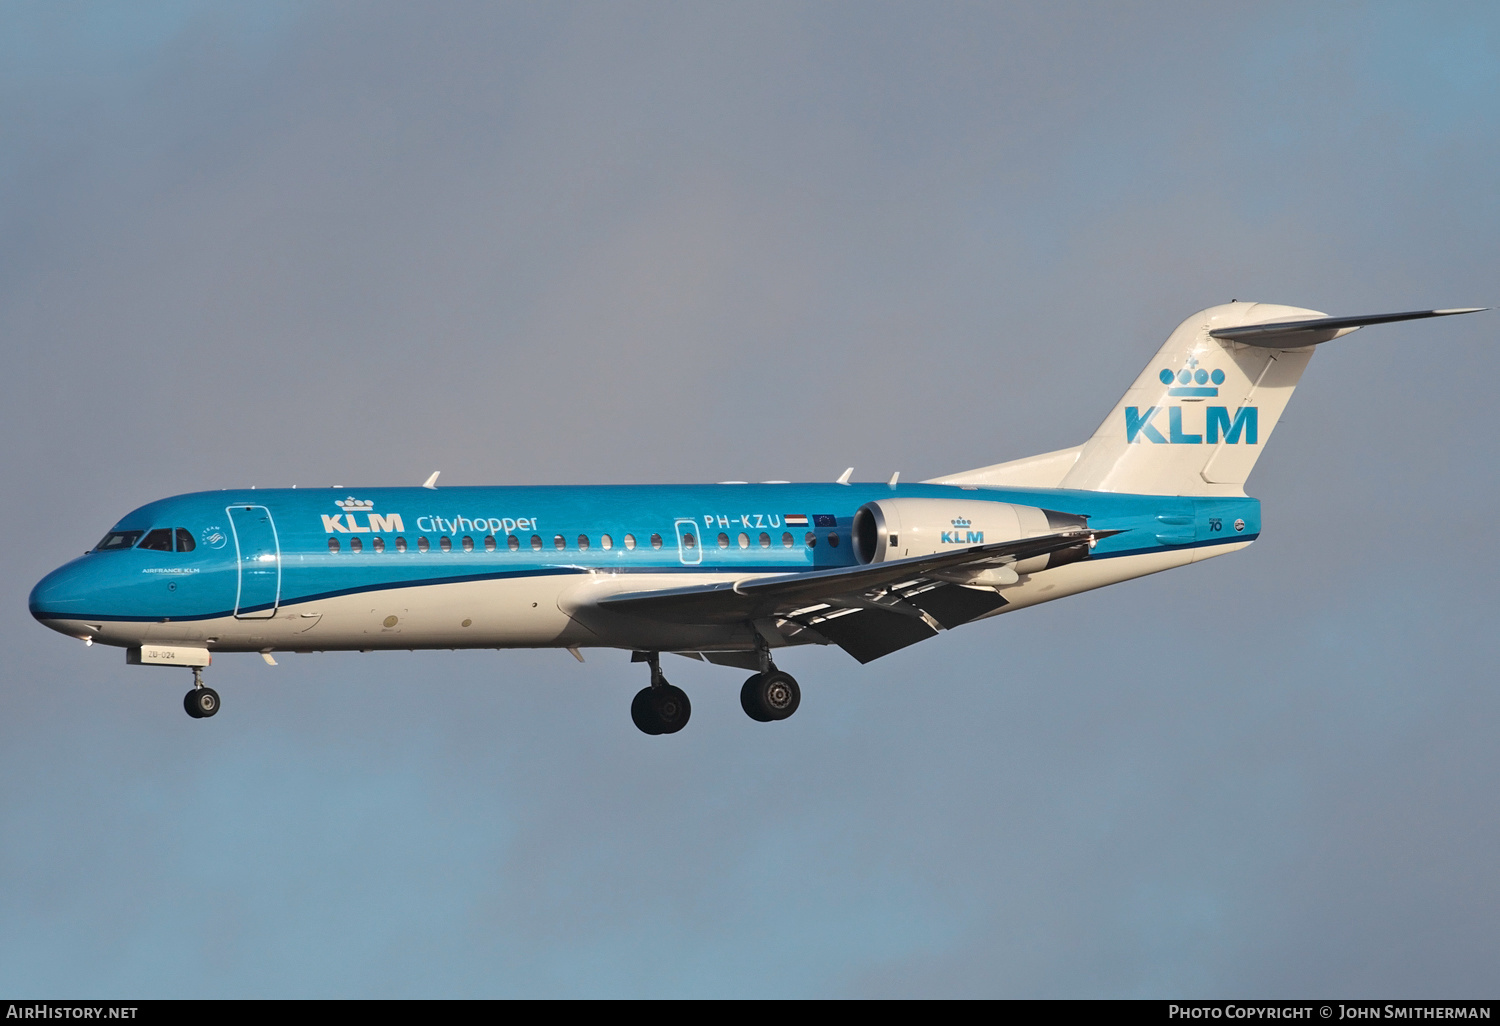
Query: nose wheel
{"points": [[660, 708], [201, 702]]}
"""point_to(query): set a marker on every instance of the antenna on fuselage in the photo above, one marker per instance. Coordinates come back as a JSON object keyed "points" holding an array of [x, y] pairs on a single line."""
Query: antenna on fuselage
{"points": [[431, 482]]}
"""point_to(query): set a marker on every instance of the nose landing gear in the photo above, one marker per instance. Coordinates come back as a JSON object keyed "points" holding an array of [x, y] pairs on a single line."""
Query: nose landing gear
{"points": [[201, 702], [659, 708]]}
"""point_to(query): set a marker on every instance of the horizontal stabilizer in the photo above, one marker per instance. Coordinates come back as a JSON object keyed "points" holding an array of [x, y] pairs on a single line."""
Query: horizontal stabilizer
{"points": [[1294, 334]]}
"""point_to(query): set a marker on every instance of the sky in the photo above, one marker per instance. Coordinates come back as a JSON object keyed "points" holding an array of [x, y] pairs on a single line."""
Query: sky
{"points": [[300, 243]]}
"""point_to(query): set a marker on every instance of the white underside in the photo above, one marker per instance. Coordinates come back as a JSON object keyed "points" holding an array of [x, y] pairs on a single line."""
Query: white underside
{"points": [[543, 612]]}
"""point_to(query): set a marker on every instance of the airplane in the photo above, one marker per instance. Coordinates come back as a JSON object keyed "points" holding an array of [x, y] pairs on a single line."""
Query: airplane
{"points": [[729, 573]]}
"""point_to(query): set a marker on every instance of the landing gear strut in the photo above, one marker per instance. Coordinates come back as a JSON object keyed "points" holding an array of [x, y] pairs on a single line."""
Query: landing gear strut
{"points": [[201, 702], [770, 694], [659, 708]]}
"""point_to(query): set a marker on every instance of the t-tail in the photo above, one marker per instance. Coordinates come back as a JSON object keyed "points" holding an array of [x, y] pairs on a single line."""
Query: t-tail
{"points": [[1196, 419]]}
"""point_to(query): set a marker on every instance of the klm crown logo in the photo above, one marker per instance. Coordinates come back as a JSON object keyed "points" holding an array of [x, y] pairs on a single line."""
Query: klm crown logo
{"points": [[961, 537], [1192, 384], [347, 522], [1192, 381]]}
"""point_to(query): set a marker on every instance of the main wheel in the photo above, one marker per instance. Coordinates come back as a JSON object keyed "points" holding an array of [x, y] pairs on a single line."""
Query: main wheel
{"points": [[640, 712], [770, 696], [201, 703], [750, 700], [661, 710]]}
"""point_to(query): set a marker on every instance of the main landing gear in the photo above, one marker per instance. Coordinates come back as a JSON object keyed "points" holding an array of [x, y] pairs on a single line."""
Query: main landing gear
{"points": [[659, 708], [770, 694], [201, 702]]}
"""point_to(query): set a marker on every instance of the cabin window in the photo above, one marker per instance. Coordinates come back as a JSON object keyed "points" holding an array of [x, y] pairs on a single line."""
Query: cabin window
{"points": [[355, 545], [512, 542], [468, 544], [536, 542], [630, 541], [185, 541], [811, 539], [118, 540], [723, 540], [422, 544], [583, 543], [159, 540], [445, 543], [333, 544], [765, 540], [833, 540], [606, 542], [744, 540], [656, 541], [400, 544], [489, 543], [689, 542], [787, 541], [378, 544]]}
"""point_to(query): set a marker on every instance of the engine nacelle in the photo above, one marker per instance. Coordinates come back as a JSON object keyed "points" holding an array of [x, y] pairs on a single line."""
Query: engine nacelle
{"points": [[898, 528]]}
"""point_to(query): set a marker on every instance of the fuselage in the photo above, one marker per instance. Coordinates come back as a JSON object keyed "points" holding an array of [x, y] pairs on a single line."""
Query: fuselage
{"points": [[503, 567]]}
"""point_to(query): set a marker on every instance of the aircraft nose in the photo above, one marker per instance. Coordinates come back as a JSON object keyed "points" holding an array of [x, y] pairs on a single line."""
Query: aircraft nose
{"points": [[63, 594]]}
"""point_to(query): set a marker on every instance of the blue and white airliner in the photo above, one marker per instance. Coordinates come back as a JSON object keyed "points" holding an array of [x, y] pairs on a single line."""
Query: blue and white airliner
{"points": [[730, 573]]}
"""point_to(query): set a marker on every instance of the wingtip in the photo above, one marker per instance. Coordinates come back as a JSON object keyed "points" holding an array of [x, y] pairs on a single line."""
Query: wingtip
{"points": [[431, 482]]}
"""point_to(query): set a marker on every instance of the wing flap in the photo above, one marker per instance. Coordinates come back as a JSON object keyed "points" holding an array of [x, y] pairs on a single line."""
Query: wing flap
{"points": [[953, 605], [868, 634]]}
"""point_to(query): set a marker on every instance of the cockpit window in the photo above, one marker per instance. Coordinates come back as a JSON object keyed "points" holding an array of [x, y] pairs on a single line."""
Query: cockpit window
{"points": [[185, 541], [118, 540], [159, 540]]}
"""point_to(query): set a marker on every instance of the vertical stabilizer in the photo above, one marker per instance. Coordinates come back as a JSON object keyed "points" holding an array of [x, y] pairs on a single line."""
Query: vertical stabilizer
{"points": [[1196, 419]]}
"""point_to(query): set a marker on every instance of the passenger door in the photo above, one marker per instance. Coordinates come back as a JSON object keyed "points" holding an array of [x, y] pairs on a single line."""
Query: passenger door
{"points": [[259, 553]]}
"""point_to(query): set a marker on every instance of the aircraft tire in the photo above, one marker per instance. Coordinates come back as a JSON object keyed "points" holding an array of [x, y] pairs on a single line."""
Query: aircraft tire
{"points": [[770, 696], [661, 710], [750, 701], [672, 708], [642, 713], [201, 703]]}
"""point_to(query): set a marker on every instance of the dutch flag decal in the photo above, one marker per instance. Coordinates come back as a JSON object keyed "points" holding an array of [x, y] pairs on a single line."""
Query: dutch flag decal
{"points": [[794, 519]]}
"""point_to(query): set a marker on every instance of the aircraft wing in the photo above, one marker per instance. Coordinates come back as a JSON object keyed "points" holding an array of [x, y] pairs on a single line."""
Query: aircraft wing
{"points": [[869, 611]]}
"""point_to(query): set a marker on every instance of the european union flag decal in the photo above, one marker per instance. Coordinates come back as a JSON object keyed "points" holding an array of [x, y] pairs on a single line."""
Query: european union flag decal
{"points": [[825, 520]]}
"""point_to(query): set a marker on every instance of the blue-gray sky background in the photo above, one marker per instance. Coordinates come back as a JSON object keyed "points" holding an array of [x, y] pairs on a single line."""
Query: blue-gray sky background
{"points": [[282, 244]]}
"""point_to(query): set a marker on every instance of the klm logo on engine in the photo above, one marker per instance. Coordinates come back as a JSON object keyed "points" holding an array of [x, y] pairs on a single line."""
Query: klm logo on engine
{"points": [[1213, 424], [958, 537]]}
